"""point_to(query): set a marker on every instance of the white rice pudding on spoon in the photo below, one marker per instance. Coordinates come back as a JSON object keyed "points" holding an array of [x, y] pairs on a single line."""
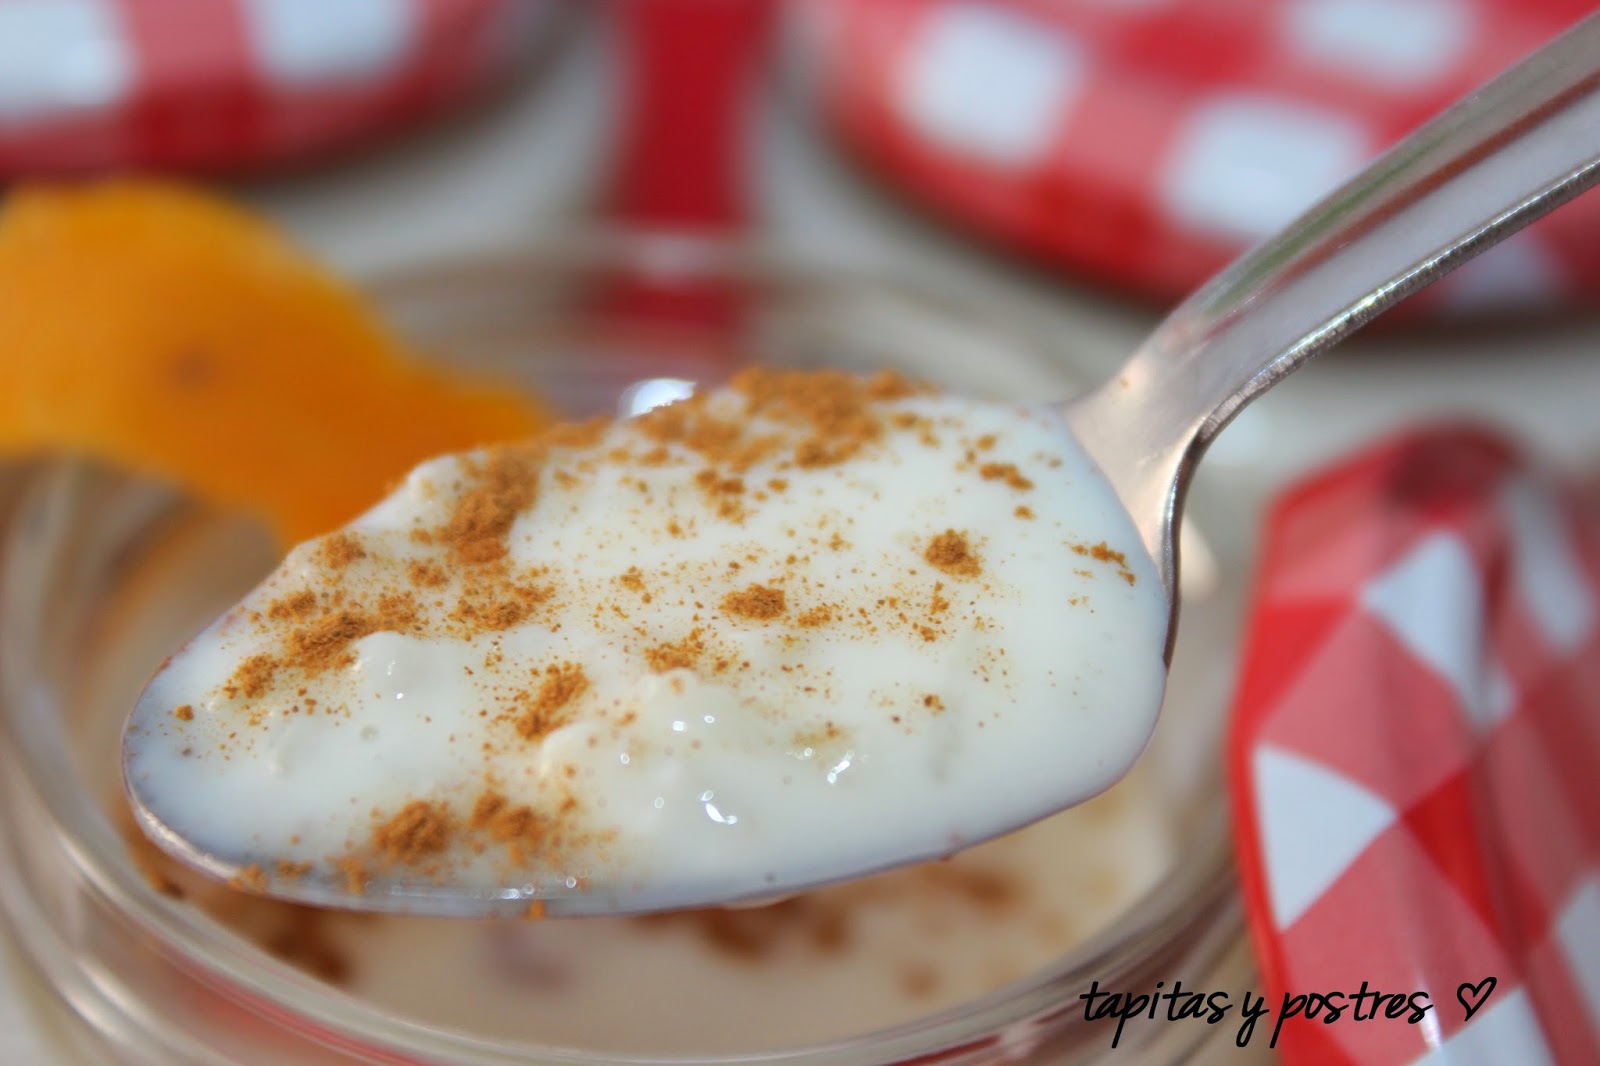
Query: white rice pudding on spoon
{"points": [[786, 631]]}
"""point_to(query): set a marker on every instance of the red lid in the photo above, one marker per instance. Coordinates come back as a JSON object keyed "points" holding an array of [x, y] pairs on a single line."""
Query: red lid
{"points": [[1146, 143], [1414, 756], [221, 85]]}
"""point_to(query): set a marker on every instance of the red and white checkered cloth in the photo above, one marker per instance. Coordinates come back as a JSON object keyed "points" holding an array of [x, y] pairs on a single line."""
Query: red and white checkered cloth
{"points": [[1145, 143], [227, 85], [1415, 756]]}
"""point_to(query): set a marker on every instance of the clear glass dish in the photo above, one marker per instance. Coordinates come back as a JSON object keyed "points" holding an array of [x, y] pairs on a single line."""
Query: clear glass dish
{"points": [[104, 573]]}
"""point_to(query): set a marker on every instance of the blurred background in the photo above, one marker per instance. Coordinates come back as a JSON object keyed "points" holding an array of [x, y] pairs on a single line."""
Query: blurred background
{"points": [[1103, 156]]}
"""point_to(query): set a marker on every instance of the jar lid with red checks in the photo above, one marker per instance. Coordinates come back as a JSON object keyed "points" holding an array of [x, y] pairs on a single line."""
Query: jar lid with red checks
{"points": [[1143, 144], [234, 85], [1414, 755]]}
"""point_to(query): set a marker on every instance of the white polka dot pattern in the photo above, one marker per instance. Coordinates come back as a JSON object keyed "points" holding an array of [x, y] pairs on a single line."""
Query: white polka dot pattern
{"points": [[60, 58], [1413, 753], [1244, 167], [987, 82], [231, 85], [311, 42], [1145, 143]]}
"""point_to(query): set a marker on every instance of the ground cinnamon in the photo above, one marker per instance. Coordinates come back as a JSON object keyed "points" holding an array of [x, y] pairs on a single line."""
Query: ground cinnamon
{"points": [[1006, 472], [760, 602], [950, 552], [560, 685], [683, 654], [505, 482], [1103, 553], [341, 549], [418, 831]]}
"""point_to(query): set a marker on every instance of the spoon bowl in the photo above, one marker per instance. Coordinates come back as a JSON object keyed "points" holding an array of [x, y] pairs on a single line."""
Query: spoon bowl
{"points": [[1512, 152]]}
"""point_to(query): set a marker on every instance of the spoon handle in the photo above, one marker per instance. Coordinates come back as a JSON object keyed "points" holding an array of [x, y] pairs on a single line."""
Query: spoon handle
{"points": [[1519, 147]]}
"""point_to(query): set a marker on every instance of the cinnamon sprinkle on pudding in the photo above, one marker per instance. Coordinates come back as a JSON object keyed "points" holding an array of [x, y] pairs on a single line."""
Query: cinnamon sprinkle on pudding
{"points": [[740, 640]]}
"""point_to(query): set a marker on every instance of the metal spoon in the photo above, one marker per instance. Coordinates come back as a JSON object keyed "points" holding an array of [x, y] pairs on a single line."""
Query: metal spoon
{"points": [[1515, 150], [1506, 155]]}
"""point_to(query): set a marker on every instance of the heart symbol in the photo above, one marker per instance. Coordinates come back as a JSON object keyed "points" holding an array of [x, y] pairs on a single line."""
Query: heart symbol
{"points": [[1472, 996]]}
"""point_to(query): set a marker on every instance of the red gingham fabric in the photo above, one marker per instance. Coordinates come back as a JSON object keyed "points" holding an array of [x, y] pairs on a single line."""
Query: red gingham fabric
{"points": [[1415, 754], [1145, 143], [229, 85]]}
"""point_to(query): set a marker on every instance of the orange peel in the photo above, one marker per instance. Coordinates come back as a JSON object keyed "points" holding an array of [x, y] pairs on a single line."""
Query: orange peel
{"points": [[162, 328]]}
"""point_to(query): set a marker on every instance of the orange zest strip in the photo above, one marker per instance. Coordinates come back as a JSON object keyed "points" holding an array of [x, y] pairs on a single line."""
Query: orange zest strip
{"points": [[161, 328]]}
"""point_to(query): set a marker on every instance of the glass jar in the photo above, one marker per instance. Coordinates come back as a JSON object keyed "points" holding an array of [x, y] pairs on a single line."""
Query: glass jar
{"points": [[103, 573]]}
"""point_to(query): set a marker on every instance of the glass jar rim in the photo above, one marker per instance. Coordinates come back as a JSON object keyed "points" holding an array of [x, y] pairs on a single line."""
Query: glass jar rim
{"points": [[1193, 907]]}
